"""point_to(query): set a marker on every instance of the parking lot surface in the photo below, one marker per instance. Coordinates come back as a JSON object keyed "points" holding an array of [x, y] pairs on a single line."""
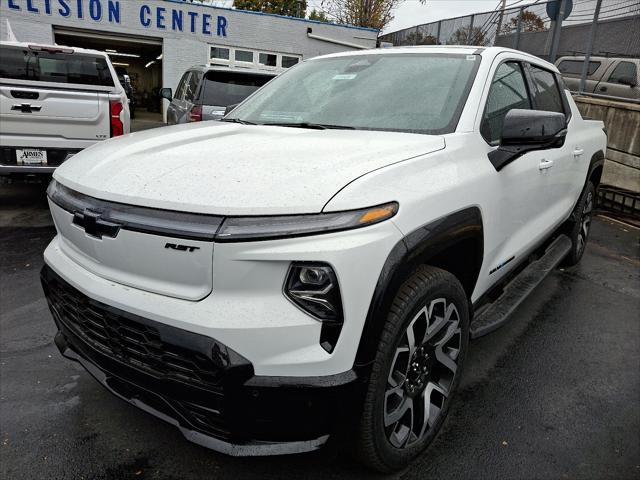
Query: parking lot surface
{"points": [[554, 394]]}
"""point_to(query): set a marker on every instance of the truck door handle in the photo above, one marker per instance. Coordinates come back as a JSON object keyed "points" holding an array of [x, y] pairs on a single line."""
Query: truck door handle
{"points": [[545, 164], [603, 89], [26, 108], [577, 152]]}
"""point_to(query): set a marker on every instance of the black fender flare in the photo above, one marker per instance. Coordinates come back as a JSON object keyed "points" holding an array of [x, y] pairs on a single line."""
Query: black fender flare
{"points": [[413, 250], [597, 161]]}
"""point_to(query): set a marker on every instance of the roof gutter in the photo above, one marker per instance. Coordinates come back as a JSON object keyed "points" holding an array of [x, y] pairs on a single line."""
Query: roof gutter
{"points": [[310, 34]]}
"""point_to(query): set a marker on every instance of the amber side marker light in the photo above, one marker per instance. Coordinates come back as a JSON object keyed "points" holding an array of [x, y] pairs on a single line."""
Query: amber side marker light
{"points": [[377, 214]]}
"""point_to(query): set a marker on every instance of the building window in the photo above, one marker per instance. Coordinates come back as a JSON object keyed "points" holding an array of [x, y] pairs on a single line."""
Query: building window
{"points": [[220, 53], [288, 62], [268, 59], [244, 56]]}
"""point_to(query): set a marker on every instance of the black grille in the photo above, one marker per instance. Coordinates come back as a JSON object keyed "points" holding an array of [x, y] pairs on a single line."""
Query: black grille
{"points": [[137, 344]]}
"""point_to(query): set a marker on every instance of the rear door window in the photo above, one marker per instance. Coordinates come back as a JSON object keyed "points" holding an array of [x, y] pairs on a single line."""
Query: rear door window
{"points": [[41, 66], [181, 86], [574, 67], [228, 88], [546, 92], [508, 91], [622, 70], [191, 86]]}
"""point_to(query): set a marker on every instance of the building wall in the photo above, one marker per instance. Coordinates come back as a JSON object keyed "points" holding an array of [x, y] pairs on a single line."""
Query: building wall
{"points": [[182, 49]]}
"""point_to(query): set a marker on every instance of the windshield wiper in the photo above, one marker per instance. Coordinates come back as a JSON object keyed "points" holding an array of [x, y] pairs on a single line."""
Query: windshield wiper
{"points": [[237, 120], [314, 126]]}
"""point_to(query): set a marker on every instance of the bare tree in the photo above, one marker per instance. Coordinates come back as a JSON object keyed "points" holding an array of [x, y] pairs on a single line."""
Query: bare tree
{"points": [[361, 13]]}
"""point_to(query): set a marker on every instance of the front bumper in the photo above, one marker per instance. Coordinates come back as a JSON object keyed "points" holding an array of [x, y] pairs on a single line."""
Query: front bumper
{"points": [[197, 383]]}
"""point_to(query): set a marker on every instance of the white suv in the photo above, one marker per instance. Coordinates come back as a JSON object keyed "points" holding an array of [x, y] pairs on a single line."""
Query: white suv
{"points": [[320, 259]]}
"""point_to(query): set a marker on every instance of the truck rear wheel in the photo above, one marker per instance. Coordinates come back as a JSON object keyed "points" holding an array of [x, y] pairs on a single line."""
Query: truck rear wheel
{"points": [[416, 370], [578, 226]]}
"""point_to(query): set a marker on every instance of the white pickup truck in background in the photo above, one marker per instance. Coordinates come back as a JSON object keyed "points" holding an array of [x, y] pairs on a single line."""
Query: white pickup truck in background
{"points": [[54, 102]]}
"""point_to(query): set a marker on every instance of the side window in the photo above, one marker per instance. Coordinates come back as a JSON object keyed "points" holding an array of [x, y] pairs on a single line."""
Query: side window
{"points": [[546, 94], [508, 91], [192, 86], [181, 86], [624, 69], [574, 67]]}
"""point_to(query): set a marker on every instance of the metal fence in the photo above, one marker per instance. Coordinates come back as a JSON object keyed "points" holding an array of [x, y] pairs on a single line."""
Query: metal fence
{"points": [[592, 27]]}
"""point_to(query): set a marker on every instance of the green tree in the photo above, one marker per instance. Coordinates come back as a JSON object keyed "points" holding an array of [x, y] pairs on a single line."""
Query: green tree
{"points": [[290, 8], [467, 36], [318, 16], [529, 22], [417, 38]]}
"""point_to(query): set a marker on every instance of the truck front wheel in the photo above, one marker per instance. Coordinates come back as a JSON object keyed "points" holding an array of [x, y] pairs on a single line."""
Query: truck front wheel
{"points": [[416, 370]]}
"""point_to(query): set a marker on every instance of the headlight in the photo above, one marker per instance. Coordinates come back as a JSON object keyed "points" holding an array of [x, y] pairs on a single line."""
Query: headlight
{"points": [[313, 287], [243, 229]]}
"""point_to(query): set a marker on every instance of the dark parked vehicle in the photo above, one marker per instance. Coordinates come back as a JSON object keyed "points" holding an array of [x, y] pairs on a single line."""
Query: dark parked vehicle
{"points": [[125, 81], [204, 92], [614, 77]]}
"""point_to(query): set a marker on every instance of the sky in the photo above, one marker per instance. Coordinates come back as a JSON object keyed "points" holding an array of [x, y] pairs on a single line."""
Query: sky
{"points": [[412, 12]]}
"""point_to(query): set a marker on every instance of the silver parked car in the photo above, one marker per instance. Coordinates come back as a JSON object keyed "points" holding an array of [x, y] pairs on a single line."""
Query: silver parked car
{"points": [[205, 92], [614, 77]]}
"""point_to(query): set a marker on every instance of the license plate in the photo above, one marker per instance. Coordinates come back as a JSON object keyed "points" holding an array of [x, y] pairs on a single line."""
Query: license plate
{"points": [[31, 156]]}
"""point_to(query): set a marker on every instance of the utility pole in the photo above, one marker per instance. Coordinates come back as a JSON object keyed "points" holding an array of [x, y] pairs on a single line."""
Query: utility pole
{"points": [[587, 57], [501, 17], [555, 31]]}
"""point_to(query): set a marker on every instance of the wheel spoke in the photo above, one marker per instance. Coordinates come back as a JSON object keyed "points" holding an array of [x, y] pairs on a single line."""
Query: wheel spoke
{"points": [[396, 415], [435, 323], [398, 373], [446, 360], [431, 409], [411, 338]]}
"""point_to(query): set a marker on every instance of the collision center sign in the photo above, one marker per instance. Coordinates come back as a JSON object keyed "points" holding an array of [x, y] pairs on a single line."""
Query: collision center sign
{"points": [[149, 15]]}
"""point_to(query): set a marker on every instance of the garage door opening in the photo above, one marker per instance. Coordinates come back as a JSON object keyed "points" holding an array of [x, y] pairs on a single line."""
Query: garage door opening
{"points": [[138, 63]]}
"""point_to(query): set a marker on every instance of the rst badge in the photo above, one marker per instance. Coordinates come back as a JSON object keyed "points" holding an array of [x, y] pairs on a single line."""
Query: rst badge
{"points": [[181, 248]]}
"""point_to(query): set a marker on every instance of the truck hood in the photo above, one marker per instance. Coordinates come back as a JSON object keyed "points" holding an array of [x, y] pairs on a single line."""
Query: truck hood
{"points": [[230, 169]]}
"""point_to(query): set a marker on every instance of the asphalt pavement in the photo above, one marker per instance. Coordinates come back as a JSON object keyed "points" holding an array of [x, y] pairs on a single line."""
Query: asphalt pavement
{"points": [[553, 394]]}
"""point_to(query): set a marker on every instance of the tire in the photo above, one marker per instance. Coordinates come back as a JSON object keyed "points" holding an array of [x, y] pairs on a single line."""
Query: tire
{"points": [[578, 226], [431, 305]]}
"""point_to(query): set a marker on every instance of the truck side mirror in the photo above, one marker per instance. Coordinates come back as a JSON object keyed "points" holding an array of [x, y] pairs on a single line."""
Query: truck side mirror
{"points": [[229, 108], [527, 130], [166, 93]]}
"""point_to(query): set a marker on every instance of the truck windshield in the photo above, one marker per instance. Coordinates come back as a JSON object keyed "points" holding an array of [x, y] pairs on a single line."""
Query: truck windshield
{"points": [[417, 93], [41, 66], [227, 88]]}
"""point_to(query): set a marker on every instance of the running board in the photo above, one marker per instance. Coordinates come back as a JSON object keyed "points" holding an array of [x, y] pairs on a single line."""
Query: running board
{"points": [[499, 312]]}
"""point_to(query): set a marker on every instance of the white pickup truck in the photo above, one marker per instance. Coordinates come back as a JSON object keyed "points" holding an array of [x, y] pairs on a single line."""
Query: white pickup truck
{"points": [[321, 257], [54, 102]]}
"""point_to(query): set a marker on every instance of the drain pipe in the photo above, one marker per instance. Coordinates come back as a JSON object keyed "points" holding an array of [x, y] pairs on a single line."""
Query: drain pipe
{"points": [[310, 34]]}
